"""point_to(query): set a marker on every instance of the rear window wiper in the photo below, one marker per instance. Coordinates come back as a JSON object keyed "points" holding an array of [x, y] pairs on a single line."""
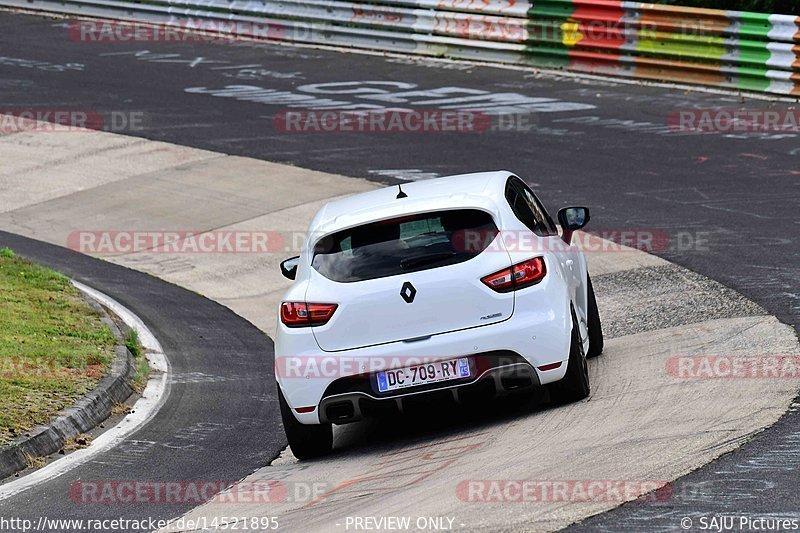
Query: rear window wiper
{"points": [[413, 262]]}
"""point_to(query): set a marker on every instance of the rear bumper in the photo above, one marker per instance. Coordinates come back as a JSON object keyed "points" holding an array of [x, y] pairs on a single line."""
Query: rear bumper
{"points": [[538, 331], [499, 373]]}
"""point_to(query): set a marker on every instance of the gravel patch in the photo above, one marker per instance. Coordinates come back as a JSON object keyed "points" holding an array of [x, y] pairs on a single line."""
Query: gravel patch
{"points": [[653, 298]]}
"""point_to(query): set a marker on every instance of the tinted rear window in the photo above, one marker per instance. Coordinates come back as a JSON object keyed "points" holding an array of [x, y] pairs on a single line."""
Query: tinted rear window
{"points": [[402, 245]]}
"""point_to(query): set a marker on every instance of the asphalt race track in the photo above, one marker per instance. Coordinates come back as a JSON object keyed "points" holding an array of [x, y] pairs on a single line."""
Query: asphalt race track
{"points": [[213, 354], [653, 311], [729, 204], [619, 156]]}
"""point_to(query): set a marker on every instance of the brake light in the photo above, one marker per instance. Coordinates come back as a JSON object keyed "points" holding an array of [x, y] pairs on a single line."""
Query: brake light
{"points": [[517, 277], [303, 314]]}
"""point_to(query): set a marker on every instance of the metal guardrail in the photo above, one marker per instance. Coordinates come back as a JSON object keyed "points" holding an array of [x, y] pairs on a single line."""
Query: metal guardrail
{"points": [[731, 49]]}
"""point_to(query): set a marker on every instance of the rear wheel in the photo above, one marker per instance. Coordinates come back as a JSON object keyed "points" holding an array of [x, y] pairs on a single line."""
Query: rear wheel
{"points": [[594, 325], [575, 384], [306, 441]]}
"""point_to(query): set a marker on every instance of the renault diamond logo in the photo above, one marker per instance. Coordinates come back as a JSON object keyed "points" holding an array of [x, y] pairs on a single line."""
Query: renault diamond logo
{"points": [[408, 292]]}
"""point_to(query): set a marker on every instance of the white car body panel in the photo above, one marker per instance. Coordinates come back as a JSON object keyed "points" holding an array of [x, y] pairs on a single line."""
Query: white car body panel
{"points": [[445, 319], [371, 312]]}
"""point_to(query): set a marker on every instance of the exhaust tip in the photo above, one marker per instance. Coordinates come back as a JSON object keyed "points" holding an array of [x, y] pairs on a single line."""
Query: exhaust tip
{"points": [[340, 411]]}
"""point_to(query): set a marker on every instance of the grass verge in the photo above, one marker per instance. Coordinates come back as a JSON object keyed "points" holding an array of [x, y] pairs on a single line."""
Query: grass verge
{"points": [[53, 346], [142, 365]]}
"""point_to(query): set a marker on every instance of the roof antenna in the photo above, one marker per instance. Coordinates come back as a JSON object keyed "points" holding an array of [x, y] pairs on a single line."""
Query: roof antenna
{"points": [[400, 194]]}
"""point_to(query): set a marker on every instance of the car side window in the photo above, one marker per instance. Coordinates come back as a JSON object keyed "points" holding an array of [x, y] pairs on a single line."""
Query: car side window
{"points": [[538, 209], [529, 209]]}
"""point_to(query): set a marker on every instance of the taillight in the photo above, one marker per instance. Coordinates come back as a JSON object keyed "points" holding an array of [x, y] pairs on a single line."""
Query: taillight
{"points": [[517, 277], [302, 314]]}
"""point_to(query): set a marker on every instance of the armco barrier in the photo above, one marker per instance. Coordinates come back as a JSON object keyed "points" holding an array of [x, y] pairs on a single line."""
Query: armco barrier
{"points": [[731, 49]]}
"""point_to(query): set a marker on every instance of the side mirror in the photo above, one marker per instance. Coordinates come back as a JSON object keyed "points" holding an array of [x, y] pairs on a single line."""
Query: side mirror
{"points": [[289, 267], [572, 219]]}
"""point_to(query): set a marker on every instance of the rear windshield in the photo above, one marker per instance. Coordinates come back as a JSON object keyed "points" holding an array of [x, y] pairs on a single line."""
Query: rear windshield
{"points": [[405, 244]]}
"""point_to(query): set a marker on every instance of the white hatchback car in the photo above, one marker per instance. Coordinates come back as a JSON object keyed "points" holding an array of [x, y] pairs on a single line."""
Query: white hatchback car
{"points": [[453, 288]]}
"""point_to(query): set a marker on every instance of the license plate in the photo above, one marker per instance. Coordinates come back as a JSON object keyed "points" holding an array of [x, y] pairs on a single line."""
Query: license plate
{"points": [[416, 375]]}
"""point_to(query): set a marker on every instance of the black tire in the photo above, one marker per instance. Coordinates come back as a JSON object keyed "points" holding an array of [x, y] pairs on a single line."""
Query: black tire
{"points": [[594, 325], [306, 441], [575, 385]]}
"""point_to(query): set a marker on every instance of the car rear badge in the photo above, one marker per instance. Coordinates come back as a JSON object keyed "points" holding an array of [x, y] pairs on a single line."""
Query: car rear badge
{"points": [[408, 292]]}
